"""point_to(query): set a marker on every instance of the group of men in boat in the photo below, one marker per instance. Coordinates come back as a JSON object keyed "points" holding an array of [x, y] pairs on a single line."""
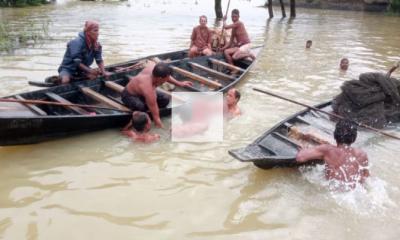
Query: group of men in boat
{"points": [[82, 51], [343, 162], [140, 93]]}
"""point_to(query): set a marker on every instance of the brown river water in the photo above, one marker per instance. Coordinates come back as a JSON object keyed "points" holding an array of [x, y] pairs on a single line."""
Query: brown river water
{"points": [[103, 186]]}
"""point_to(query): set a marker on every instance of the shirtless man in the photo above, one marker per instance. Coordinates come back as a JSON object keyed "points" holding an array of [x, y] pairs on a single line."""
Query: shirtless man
{"points": [[200, 43], [138, 128], [231, 108], [343, 163], [140, 93], [239, 44]]}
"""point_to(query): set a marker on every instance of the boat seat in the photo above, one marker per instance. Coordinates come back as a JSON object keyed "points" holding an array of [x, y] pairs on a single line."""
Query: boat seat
{"points": [[212, 71], [60, 99], [230, 66], [278, 146], [114, 86], [191, 75], [119, 88], [103, 99], [32, 107]]}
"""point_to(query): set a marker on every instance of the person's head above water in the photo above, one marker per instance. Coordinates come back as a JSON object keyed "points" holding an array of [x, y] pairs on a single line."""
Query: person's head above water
{"points": [[345, 132], [308, 44], [140, 121], [232, 96], [344, 64]]}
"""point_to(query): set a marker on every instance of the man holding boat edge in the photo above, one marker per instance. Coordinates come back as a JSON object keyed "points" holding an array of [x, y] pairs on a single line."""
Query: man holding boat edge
{"points": [[345, 165], [140, 93]]}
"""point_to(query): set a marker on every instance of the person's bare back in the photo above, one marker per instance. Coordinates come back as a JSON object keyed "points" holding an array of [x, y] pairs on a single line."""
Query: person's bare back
{"points": [[142, 83], [343, 163]]}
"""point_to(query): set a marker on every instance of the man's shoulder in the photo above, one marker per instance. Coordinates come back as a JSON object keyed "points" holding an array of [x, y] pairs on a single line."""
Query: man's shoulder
{"points": [[76, 42]]}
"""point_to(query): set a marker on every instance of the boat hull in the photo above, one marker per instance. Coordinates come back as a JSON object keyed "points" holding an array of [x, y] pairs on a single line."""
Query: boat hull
{"points": [[277, 148], [22, 125]]}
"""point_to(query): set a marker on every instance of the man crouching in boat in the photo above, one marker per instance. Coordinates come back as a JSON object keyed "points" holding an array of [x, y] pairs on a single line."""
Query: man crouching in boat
{"points": [[80, 54], [138, 129], [140, 93], [200, 43], [345, 165], [239, 44]]}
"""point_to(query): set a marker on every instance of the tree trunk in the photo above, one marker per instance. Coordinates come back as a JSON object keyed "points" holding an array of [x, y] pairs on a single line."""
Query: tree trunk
{"points": [[218, 9], [283, 9], [270, 10], [292, 8]]}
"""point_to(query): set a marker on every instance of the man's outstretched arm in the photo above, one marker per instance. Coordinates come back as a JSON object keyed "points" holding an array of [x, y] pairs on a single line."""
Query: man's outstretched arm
{"points": [[313, 153]]}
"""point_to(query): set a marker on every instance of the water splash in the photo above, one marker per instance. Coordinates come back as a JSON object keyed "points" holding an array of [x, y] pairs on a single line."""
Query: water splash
{"points": [[370, 198]]}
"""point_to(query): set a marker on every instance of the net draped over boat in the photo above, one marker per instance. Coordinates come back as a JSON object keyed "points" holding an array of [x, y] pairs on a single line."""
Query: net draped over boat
{"points": [[374, 100]]}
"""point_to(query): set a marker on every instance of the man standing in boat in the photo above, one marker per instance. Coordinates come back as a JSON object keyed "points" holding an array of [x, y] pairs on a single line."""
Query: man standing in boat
{"points": [[80, 54], [140, 93], [346, 165], [239, 44], [200, 43]]}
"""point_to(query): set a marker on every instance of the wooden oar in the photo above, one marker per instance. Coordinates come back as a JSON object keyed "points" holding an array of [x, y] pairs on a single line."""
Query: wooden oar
{"points": [[58, 104], [222, 31], [328, 113]]}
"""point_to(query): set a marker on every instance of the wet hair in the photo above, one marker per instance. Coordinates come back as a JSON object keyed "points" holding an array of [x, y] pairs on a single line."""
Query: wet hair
{"points": [[161, 70], [237, 95], [235, 11], [139, 121], [345, 132]]}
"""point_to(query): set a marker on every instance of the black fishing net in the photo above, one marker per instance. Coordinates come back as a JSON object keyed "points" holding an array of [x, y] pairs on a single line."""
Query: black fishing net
{"points": [[374, 100]]}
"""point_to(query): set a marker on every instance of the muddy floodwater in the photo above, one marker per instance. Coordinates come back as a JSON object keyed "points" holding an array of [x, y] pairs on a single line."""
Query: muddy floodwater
{"points": [[103, 186]]}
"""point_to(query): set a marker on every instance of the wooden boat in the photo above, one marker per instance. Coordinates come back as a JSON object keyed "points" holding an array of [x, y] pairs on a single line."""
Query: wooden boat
{"points": [[22, 123], [52, 81], [278, 146]]}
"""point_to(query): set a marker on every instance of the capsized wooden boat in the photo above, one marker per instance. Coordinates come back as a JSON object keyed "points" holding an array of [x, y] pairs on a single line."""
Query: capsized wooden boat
{"points": [[278, 146], [33, 123]]}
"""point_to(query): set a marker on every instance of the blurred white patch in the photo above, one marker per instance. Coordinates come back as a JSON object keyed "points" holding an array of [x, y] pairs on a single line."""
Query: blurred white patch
{"points": [[197, 117]]}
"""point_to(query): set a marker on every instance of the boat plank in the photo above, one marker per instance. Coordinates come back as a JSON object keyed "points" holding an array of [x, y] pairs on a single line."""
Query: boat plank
{"points": [[60, 99], [212, 71], [230, 66], [32, 107], [100, 98], [114, 86]]}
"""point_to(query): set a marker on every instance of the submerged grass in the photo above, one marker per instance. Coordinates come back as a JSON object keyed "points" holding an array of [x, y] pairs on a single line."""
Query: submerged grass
{"points": [[30, 34]]}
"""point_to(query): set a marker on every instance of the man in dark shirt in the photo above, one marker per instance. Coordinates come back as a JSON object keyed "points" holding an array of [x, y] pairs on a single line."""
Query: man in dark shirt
{"points": [[80, 54]]}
